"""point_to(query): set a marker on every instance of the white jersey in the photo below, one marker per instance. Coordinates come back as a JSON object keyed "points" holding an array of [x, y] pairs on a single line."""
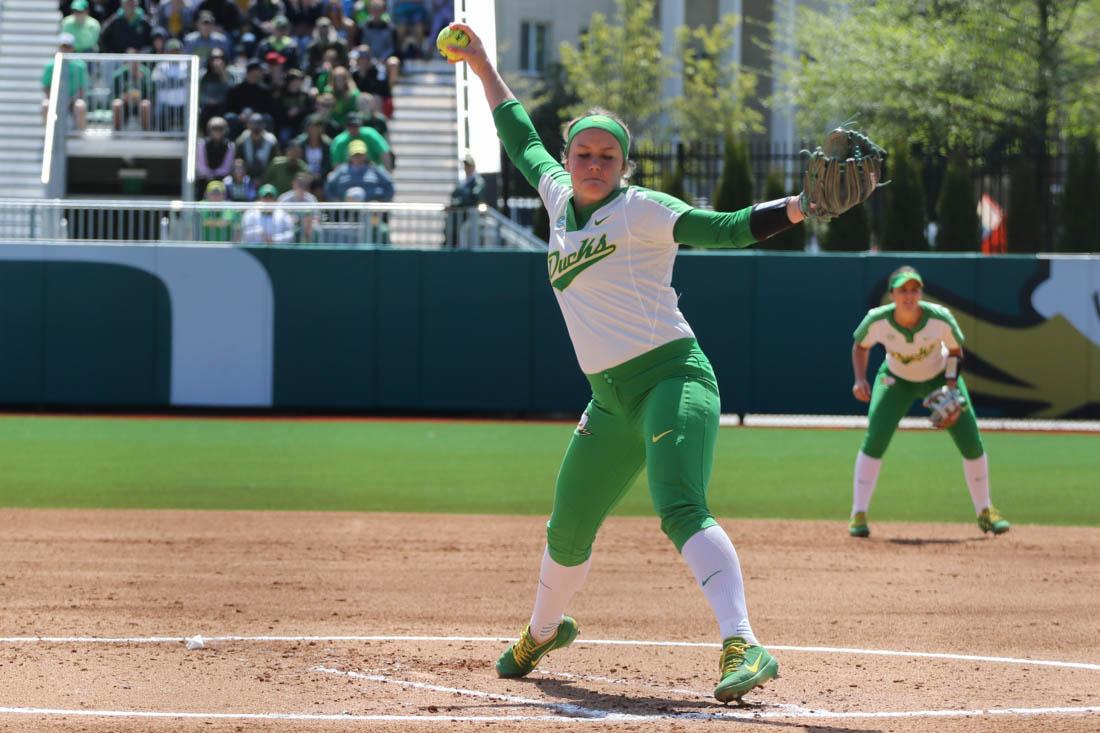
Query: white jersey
{"points": [[915, 354], [613, 276]]}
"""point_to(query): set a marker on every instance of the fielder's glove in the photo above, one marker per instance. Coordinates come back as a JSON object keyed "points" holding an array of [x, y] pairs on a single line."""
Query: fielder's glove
{"points": [[840, 175], [946, 405]]}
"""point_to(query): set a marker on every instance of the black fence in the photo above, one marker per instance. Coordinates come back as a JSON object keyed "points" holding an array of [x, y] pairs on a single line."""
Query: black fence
{"points": [[702, 166]]}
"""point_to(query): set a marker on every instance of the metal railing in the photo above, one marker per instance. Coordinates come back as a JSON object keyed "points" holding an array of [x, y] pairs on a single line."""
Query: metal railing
{"points": [[418, 226], [126, 97]]}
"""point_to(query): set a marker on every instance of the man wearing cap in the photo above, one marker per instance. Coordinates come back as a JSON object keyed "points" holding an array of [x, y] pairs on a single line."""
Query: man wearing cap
{"points": [[256, 147], [293, 106], [227, 16], [466, 196], [77, 83], [206, 38], [176, 16], [267, 224], [377, 147], [359, 171], [83, 27], [252, 93], [127, 29], [281, 42], [217, 225]]}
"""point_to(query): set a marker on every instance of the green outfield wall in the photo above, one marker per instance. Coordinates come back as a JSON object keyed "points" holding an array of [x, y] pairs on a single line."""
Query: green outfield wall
{"points": [[456, 332]]}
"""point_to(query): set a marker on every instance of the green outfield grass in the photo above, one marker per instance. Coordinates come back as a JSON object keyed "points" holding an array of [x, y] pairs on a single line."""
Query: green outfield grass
{"points": [[508, 467]]}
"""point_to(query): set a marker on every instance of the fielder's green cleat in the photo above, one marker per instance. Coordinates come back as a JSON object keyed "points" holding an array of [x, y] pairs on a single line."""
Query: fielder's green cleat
{"points": [[858, 526], [520, 658], [990, 520], [743, 667]]}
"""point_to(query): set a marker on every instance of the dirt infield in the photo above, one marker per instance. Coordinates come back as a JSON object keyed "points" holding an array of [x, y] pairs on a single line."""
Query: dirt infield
{"points": [[118, 591]]}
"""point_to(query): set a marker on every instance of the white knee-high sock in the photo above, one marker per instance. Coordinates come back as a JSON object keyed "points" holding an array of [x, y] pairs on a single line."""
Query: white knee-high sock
{"points": [[557, 586], [864, 481], [714, 563], [977, 480]]}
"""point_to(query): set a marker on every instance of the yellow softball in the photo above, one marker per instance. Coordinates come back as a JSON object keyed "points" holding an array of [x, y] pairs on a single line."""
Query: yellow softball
{"points": [[451, 37]]}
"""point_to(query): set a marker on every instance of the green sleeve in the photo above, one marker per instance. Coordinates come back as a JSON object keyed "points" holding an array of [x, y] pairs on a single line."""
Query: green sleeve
{"points": [[700, 228], [376, 144], [522, 143]]}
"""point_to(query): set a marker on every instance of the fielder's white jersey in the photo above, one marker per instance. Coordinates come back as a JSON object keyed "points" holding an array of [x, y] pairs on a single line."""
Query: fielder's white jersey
{"points": [[915, 354], [613, 275]]}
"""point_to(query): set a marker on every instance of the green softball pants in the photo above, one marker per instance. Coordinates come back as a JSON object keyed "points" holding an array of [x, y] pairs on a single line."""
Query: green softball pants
{"points": [[891, 397], [659, 410]]}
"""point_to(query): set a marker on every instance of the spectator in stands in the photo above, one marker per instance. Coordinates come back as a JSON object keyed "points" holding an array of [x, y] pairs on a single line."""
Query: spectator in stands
{"points": [[281, 42], [304, 221], [257, 147], [325, 104], [171, 80], [227, 16], [378, 32], [157, 40], [411, 23], [292, 106], [252, 93], [377, 148], [218, 225], [262, 14], [83, 28], [213, 87], [346, 29], [359, 171], [465, 197], [204, 40], [368, 113], [303, 16], [176, 17], [368, 73], [238, 184], [344, 94], [133, 91], [267, 224], [214, 154], [284, 168], [127, 29], [316, 148], [77, 84], [323, 39]]}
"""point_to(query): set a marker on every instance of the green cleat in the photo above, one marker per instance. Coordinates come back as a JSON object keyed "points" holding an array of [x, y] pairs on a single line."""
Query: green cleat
{"points": [[990, 520], [743, 667], [520, 658], [858, 526]]}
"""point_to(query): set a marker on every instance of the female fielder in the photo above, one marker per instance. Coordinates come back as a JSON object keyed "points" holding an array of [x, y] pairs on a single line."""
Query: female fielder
{"points": [[923, 353], [654, 396]]}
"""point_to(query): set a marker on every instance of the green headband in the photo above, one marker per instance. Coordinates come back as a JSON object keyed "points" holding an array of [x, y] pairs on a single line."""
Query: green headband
{"points": [[601, 122]]}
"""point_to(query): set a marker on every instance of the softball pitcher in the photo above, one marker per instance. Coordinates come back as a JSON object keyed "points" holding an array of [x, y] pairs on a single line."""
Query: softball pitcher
{"points": [[654, 396], [923, 354]]}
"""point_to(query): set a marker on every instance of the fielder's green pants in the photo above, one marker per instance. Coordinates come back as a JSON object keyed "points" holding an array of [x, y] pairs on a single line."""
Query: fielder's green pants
{"points": [[891, 398], [659, 410]]}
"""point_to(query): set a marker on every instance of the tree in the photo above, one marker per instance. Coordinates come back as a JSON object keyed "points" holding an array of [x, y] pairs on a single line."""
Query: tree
{"points": [[619, 66], [849, 232], [713, 105], [1022, 218], [1081, 199], [905, 218], [793, 239], [960, 229], [672, 183], [734, 189], [954, 72]]}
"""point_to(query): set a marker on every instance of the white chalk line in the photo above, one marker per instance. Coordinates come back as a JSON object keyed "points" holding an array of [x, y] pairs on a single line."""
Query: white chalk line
{"points": [[505, 639], [567, 712]]}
